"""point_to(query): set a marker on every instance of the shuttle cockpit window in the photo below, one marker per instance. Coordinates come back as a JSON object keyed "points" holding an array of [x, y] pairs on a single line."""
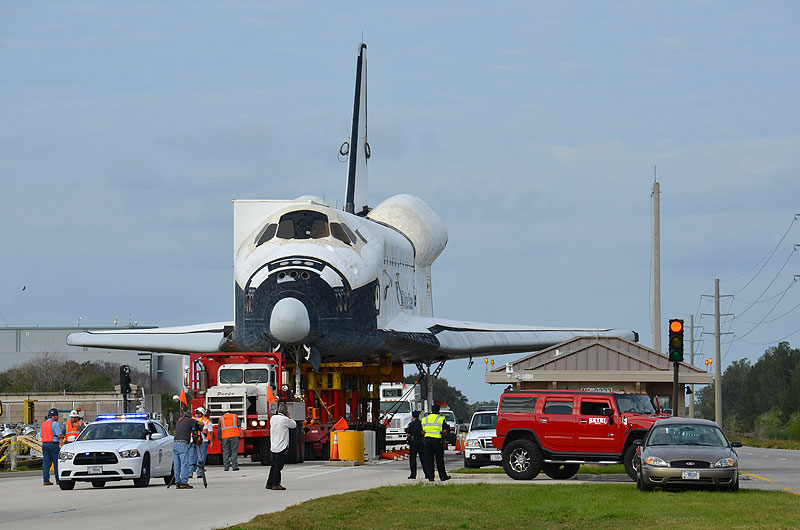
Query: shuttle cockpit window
{"points": [[303, 224], [266, 234], [338, 232]]}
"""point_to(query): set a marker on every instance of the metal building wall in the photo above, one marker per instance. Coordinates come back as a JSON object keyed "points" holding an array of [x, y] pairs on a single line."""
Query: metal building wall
{"points": [[19, 345]]}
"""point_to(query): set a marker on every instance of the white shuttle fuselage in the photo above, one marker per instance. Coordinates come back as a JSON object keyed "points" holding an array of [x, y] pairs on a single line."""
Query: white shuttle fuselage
{"points": [[339, 285]]}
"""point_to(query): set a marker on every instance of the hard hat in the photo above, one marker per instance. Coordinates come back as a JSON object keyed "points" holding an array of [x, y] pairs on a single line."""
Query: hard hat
{"points": [[201, 410], [52, 412], [74, 414]]}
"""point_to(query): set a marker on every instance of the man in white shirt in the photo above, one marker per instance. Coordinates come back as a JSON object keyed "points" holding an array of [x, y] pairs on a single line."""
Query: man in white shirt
{"points": [[279, 426]]}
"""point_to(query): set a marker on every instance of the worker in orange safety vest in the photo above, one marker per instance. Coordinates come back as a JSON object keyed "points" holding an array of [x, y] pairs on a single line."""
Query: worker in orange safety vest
{"points": [[229, 436], [73, 427], [51, 443]]}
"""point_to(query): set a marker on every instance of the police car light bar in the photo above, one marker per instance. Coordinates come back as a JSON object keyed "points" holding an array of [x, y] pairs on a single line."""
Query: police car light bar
{"points": [[105, 417]]}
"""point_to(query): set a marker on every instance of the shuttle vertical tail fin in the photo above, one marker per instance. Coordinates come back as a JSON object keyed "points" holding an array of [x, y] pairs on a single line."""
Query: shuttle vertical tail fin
{"points": [[356, 193]]}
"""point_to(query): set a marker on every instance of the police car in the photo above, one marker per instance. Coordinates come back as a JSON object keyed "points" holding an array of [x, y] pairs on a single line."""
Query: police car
{"points": [[117, 447]]}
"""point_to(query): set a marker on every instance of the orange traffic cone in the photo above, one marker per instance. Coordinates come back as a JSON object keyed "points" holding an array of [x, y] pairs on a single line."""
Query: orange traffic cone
{"points": [[335, 447]]}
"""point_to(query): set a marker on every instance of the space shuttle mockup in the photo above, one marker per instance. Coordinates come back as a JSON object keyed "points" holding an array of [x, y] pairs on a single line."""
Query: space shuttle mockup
{"points": [[340, 285]]}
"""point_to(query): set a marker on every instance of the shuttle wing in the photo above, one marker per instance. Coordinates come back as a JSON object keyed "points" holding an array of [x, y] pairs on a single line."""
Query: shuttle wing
{"points": [[460, 339], [200, 338]]}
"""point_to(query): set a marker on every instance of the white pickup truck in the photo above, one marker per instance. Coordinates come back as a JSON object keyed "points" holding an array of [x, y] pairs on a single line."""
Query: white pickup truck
{"points": [[478, 448]]}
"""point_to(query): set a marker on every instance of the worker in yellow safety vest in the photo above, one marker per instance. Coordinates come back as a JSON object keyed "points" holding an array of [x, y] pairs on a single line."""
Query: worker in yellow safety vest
{"points": [[73, 427], [229, 436], [434, 428]]}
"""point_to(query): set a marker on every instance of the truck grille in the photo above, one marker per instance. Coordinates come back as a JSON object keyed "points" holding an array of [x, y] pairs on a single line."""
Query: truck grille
{"points": [[486, 443], [396, 423], [88, 459], [215, 408]]}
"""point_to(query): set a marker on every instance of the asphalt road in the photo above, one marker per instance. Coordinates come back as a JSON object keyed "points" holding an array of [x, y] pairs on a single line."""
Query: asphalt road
{"points": [[770, 469], [235, 497]]}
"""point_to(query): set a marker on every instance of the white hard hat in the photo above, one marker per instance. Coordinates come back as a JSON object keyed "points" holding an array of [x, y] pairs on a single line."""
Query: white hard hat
{"points": [[74, 414], [201, 410]]}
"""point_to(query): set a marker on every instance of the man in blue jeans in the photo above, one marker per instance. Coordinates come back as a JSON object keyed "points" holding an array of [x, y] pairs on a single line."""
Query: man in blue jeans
{"points": [[51, 444], [180, 449]]}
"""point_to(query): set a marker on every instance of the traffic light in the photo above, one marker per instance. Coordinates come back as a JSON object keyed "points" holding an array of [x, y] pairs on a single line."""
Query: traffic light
{"points": [[676, 340], [124, 379]]}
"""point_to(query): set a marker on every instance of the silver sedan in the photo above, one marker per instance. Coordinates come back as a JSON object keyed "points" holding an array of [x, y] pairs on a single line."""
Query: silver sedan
{"points": [[685, 452]]}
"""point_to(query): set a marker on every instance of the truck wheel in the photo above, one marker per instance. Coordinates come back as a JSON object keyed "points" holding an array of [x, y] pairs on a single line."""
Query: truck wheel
{"points": [[560, 471], [296, 441], [522, 459], [628, 460], [264, 453]]}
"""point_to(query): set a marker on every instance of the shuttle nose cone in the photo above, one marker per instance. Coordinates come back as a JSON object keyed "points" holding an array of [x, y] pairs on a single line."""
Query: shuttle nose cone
{"points": [[289, 321]]}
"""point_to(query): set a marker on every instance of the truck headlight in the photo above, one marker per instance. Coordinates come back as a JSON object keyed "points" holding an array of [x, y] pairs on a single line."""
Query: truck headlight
{"points": [[475, 444], [65, 455], [655, 461], [725, 462], [254, 423], [129, 453], [261, 423]]}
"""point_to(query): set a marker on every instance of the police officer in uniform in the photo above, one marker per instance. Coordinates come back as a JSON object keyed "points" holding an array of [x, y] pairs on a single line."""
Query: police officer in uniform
{"points": [[416, 445], [434, 428]]}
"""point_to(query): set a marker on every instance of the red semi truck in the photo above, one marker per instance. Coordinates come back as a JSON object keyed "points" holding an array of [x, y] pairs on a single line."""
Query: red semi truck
{"points": [[238, 381]]}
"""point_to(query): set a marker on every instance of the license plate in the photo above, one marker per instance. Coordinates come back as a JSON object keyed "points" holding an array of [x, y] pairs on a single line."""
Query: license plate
{"points": [[497, 458], [690, 475], [94, 470]]}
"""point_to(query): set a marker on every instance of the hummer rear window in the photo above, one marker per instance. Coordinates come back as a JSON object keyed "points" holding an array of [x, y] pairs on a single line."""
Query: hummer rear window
{"points": [[558, 407], [517, 404]]}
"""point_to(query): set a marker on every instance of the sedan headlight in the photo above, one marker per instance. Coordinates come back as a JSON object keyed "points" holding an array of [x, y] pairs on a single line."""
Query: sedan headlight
{"points": [[655, 461], [725, 462], [129, 453], [473, 443], [65, 455]]}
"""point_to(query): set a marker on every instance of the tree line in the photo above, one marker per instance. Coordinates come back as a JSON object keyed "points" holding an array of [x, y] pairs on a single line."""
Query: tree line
{"points": [[761, 398], [50, 373]]}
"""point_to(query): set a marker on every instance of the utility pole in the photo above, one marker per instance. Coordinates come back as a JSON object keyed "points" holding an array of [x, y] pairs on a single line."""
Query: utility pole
{"points": [[717, 352], [656, 322], [691, 361], [717, 348]]}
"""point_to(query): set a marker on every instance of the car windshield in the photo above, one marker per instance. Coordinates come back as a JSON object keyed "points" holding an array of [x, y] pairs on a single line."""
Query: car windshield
{"points": [[114, 431], [483, 421], [634, 403], [677, 434], [449, 416], [396, 406]]}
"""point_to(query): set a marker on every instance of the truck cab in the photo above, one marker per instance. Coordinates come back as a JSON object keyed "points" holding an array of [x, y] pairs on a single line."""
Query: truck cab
{"points": [[398, 401], [243, 387]]}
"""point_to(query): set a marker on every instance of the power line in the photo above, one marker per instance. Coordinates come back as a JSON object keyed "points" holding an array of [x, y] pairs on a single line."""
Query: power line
{"points": [[769, 257], [765, 316], [771, 282]]}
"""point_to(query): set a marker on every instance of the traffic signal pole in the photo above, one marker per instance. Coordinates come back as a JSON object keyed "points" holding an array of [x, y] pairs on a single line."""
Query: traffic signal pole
{"points": [[676, 356]]}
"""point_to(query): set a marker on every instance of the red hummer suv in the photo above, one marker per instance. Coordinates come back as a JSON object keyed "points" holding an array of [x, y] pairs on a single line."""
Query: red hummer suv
{"points": [[556, 431]]}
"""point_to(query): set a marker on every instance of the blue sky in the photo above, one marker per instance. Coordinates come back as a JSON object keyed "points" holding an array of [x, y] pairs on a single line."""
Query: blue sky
{"points": [[531, 128]]}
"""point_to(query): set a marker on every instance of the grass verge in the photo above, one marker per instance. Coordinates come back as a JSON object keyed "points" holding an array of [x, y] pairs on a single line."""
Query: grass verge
{"points": [[525, 506]]}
